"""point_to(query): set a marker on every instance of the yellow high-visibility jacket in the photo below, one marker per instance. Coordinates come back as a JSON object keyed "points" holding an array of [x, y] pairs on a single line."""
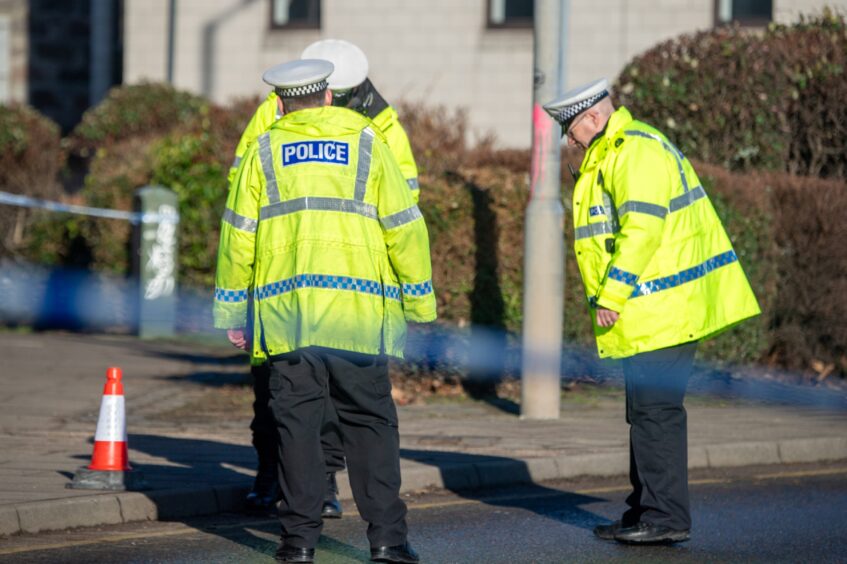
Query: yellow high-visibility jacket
{"points": [[650, 246], [387, 121], [265, 115], [321, 228]]}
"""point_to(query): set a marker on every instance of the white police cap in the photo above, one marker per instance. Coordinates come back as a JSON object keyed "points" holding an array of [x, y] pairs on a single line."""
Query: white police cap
{"points": [[572, 103], [351, 63], [299, 78]]}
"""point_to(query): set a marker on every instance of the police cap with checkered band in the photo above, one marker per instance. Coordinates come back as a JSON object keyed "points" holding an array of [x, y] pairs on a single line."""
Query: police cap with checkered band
{"points": [[299, 78], [351, 63], [572, 103]]}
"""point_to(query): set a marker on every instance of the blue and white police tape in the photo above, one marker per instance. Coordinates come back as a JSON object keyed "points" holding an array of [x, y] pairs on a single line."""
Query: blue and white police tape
{"points": [[132, 217]]}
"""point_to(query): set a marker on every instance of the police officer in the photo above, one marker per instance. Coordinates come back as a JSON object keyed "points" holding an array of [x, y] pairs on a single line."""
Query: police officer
{"points": [[660, 274], [350, 70], [351, 88], [321, 228]]}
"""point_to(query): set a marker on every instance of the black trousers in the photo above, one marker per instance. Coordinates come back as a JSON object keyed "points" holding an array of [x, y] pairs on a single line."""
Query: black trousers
{"points": [[658, 437], [264, 428], [360, 391]]}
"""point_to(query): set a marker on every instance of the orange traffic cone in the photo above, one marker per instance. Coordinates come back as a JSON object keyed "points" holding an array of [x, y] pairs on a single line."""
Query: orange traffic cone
{"points": [[109, 468], [110, 452]]}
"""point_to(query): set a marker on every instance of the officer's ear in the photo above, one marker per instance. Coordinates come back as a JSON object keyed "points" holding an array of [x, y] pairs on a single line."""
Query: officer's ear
{"points": [[327, 97], [596, 118], [280, 105]]}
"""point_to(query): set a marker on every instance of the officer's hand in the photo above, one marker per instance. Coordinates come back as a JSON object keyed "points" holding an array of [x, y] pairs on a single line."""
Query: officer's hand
{"points": [[237, 337], [606, 317]]}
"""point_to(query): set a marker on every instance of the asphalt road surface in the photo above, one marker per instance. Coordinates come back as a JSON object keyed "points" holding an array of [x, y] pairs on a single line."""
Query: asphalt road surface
{"points": [[759, 514]]}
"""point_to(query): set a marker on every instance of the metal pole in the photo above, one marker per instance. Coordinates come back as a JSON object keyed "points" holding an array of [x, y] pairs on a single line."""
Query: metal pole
{"points": [[544, 240], [102, 54], [171, 40]]}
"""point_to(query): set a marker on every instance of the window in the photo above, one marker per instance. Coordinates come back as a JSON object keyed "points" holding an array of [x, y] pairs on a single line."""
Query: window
{"points": [[510, 13], [296, 14], [745, 12]]}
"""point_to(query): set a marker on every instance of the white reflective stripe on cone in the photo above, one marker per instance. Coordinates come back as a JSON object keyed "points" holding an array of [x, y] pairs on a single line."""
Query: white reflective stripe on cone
{"points": [[111, 426]]}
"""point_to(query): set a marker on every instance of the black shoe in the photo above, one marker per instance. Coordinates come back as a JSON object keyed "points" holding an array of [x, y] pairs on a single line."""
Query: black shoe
{"points": [[401, 553], [646, 533], [263, 497], [331, 508], [608, 532], [294, 554]]}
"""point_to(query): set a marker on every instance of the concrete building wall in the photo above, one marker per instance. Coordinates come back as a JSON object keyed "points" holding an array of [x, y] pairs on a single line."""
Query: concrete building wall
{"points": [[788, 11], [145, 40], [606, 34], [13, 51], [439, 52], [5, 49]]}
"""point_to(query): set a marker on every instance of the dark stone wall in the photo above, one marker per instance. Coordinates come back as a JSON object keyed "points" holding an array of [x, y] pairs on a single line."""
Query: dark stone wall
{"points": [[59, 58]]}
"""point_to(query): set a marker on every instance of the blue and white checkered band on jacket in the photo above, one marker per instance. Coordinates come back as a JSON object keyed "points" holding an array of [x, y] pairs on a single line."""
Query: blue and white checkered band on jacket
{"points": [[566, 114], [304, 90]]}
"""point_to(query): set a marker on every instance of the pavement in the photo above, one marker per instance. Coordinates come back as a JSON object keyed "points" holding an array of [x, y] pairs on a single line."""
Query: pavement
{"points": [[50, 392]]}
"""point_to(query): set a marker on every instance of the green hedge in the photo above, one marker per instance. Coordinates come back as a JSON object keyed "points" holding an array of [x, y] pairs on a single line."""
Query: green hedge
{"points": [[31, 157], [194, 164], [185, 144], [139, 110], [772, 101]]}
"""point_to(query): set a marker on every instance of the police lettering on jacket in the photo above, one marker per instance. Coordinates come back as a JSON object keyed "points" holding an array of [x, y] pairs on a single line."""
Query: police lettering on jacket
{"points": [[332, 152]]}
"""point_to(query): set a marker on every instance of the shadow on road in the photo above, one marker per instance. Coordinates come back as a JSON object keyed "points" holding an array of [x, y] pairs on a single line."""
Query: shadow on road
{"points": [[493, 471], [189, 463], [194, 465]]}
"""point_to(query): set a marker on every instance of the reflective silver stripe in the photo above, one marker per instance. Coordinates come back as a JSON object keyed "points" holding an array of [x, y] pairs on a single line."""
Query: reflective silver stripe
{"points": [[677, 154], [240, 221], [236, 162], [676, 204], [592, 230], [607, 203], [687, 199], [611, 212], [406, 216], [267, 158], [363, 168], [318, 204], [642, 207], [413, 183]]}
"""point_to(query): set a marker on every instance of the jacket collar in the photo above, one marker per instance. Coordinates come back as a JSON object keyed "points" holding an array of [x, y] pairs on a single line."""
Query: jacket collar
{"points": [[323, 121], [599, 145]]}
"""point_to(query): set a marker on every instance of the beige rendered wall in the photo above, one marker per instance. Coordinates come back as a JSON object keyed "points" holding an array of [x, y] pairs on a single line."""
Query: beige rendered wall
{"points": [[787, 11], [434, 51], [13, 59]]}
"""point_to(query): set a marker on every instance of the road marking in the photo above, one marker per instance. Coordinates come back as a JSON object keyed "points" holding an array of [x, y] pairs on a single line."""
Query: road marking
{"points": [[176, 529], [802, 473], [99, 540], [502, 499], [181, 529]]}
